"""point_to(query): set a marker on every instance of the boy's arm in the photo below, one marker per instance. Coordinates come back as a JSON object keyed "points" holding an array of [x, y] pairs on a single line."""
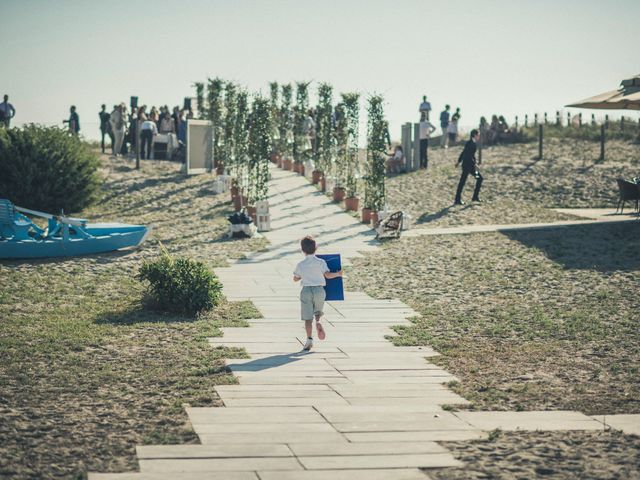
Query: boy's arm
{"points": [[296, 278], [330, 275]]}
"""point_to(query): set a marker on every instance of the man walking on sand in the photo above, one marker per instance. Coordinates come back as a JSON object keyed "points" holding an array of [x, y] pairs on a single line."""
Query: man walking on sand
{"points": [[312, 273], [444, 124], [469, 167], [425, 107]]}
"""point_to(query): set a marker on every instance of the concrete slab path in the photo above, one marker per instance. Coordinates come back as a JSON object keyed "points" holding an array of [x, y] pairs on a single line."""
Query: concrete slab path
{"points": [[355, 407]]}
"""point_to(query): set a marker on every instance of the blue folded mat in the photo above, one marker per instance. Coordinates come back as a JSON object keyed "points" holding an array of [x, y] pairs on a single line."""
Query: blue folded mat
{"points": [[333, 288]]}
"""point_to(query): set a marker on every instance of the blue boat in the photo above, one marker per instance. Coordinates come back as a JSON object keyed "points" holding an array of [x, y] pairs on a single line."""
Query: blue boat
{"points": [[63, 237]]}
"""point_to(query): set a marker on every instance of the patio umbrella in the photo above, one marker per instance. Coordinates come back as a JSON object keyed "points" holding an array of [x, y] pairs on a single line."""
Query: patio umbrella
{"points": [[627, 97]]}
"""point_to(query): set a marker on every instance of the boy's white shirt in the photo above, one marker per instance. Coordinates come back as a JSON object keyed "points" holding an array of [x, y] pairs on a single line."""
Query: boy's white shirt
{"points": [[311, 271]]}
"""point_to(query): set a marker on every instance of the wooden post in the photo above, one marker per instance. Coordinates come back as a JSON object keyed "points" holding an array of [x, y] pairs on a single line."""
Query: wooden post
{"points": [[622, 122], [535, 119], [593, 119], [526, 120], [558, 117], [606, 120], [568, 119], [580, 119], [480, 151], [602, 128], [516, 122], [545, 118], [540, 141]]}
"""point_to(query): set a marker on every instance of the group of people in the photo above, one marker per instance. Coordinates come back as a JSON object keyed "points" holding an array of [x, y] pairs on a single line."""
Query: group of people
{"points": [[497, 131], [121, 127]]}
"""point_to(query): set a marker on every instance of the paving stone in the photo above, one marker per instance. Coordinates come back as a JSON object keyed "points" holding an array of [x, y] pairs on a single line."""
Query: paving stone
{"points": [[425, 436], [219, 464], [627, 423], [281, 402], [275, 380], [147, 452], [172, 476], [369, 474], [531, 421], [285, 427], [379, 448], [272, 437], [433, 460]]}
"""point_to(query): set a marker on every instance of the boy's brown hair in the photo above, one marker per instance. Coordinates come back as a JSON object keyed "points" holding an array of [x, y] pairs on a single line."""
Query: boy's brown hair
{"points": [[308, 245]]}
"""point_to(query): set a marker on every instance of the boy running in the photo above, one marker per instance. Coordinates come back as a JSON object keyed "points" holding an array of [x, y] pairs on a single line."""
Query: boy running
{"points": [[312, 273]]}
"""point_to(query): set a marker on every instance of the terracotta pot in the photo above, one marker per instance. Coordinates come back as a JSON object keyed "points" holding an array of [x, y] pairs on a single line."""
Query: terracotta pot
{"points": [[288, 164], [351, 204], [323, 183], [366, 215], [338, 194], [301, 169], [237, 202], [374, 219], [296, 167], [251, 211], [315, 176], [280, 162], [234, 192], [275, 157], [220, 169]]}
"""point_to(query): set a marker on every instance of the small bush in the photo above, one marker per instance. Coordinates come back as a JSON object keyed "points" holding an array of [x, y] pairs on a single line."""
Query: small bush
{"points": [[45, 168], [180, 284]]}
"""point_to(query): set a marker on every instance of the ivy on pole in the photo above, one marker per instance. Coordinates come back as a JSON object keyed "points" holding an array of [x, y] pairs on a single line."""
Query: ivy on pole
{"points": [[377, 133]]}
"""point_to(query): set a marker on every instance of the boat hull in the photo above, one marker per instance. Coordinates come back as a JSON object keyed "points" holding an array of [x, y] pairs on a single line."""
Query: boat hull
{"points": [[104, 238]]}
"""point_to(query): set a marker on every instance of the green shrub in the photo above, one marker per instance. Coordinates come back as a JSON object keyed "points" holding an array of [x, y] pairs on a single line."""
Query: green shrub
{"points": [[45, 168], [181, 284]]}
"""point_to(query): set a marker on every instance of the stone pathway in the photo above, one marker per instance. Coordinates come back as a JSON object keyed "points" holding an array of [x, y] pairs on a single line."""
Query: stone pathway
{"points": [[356, 407]]}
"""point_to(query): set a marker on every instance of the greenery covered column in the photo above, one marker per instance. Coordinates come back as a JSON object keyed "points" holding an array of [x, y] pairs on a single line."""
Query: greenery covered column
{"points": [[215, 116], [374, 192], [301, 145], [324, 129], [259, 150], [286, 123], [350, 124], [230, 107], [200, 98]]}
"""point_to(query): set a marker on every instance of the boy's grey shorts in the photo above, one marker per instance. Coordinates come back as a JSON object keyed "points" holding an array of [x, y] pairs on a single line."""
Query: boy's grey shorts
{"points": [[312, 302]]}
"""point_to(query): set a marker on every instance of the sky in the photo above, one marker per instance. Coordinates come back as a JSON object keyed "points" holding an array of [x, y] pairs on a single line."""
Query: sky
{"points": [[507, 57]]}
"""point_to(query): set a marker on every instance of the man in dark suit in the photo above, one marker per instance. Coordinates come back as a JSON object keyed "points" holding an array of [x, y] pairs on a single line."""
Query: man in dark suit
{"points": [[469, 167]]}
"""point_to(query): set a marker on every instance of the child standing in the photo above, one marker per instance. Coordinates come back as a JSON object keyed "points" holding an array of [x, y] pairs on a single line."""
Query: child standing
{"points": [[312, 273]]}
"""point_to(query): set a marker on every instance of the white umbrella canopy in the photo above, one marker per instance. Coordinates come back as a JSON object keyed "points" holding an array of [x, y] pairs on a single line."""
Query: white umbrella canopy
{"points": [[627, 97]]}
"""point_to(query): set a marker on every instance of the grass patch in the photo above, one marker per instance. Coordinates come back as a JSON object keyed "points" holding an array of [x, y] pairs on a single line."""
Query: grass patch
{"points": [[542, 319], [86, 372]]}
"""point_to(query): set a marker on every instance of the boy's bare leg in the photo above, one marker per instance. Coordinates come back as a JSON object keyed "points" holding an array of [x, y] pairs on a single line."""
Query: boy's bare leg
{"points": [[308, 326]]}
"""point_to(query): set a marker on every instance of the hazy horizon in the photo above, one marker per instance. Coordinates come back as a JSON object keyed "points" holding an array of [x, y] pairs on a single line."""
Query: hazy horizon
{"points": [[507, 58]]}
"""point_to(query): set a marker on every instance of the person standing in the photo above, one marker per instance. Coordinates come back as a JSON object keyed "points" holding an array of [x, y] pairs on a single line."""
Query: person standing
{"points": [[118, 127], [105, 127], [148, 130], [7, 112], [469, 167], [426, 129], [425, 107], [74, 121], [444, 124]]}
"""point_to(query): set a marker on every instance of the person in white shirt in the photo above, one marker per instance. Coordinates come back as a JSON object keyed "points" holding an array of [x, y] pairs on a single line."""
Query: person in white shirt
{"points": [[312, 273], [452, 130], [148, 131], [426, 129], [118, 126], [425, 107], [7, 112]]}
